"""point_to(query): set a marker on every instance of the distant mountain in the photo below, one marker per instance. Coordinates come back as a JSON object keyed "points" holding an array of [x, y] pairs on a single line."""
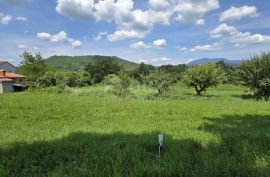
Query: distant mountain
{"points": [[77, 63], [212, 60]]}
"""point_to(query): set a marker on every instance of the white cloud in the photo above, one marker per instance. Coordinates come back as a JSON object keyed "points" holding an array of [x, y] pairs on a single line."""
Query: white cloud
{"points": [[81, 9], [233, 35], [5, 19], [193, 10], [160, 43], [207, 48], [59, 37], [235, 13], [135, 23], [221, 29], [123, 34], [76, 44], [43, 36], [200, 22], [159, 5], [99, 36], [140, 44], [160, 61], [21, 46], [22, 19], [182, 49]]}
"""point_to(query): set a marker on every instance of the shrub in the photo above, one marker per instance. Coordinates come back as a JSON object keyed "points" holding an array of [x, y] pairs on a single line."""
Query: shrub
{"points": [[255, 74], [120, 83], [204, 76]]}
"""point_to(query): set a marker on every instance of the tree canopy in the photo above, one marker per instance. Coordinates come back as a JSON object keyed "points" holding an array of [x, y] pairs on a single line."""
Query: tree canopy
{"points": [[204, 76]]}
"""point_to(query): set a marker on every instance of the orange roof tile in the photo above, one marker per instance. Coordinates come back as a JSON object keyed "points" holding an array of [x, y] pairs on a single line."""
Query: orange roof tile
{"points": [[14, 75]]}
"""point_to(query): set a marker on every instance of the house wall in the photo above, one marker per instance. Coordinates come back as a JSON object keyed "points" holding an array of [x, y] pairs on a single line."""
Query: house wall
{"points": [[6, 87], [1, 90], [8, 67]]}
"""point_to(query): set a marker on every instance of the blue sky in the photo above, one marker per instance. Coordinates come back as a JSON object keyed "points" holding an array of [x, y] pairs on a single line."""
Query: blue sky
{"points": [[151, 31]]}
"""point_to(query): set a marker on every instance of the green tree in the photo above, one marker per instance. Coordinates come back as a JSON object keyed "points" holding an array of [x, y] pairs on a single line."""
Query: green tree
{"points": [[76, 79], [142, 71], [159, 80], [204, 76], [101, 69], [120, 83], [33, 66], [255, 74]]}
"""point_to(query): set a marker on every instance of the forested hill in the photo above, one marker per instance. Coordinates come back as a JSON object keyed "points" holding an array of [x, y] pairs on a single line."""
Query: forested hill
{"points": [[77, 63]]}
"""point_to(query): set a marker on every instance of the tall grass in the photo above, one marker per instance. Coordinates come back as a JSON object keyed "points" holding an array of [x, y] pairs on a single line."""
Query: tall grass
{"points": [[90, 132]]}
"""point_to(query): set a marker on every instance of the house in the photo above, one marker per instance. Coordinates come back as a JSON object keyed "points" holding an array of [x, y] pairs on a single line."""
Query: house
{"points": [[10, 81], [4, 65]]}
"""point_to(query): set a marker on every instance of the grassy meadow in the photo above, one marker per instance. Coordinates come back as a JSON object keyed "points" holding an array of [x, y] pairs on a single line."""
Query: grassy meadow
{"points": [[90, 132]]}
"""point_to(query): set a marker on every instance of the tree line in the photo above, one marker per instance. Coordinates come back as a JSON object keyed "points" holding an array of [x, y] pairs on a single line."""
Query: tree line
{"points": [[253, 73]]}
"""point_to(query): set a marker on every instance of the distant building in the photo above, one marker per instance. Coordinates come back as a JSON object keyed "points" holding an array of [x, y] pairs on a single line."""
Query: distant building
{"points": [[9, 80], [4, 65]]}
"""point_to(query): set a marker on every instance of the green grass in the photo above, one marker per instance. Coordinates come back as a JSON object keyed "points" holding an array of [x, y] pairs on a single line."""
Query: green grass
{"points": [[90, 132]]}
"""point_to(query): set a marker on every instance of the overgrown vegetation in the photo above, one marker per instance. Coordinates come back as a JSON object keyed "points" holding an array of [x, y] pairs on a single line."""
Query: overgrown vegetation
{"points": [[255, 74], [79, 134]]}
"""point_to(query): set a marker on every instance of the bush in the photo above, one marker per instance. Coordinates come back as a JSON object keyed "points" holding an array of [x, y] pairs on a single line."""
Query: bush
{"points": [[255, 74], [77, 79], [204, 76], [159, 80], [120, 83], [103, 68]]}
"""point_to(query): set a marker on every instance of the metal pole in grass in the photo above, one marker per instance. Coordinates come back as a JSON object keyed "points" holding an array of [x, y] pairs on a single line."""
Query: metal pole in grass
{"points": [[160, 143]]}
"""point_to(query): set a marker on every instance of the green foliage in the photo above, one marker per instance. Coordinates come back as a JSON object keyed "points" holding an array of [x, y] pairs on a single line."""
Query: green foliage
{"points": [[120, 82], [176, 71], [142, 71], [78, 63], [231, 72], [204, 76], [221, 135], [101, 69], [47, 80], [255, 74], [33, 66], [77, 79], [159, 80]]}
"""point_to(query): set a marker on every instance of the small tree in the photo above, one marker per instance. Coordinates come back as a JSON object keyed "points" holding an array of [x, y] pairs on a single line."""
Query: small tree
{"points": [[159, 80], [204, 76], [255, 74], [33, 66], [120, 82]]}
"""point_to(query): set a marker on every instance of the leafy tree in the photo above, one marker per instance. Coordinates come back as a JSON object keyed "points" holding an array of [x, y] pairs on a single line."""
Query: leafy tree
{"points": [[101, 69], [255, 74], [120, 82], [77, 79], [47, 80], [204, 76], [176, 71], [33, 66], [159, 80], [142, 71], [231, 72]]}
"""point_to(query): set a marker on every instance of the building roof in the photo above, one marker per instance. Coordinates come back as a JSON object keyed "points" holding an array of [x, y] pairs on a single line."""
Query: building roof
{"points": [[4, 79], [14, 75], [2, 62]]}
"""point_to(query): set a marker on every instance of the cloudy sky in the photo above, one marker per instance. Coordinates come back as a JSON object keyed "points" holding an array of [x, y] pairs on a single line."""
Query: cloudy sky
{"points": [[150, 31]]}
